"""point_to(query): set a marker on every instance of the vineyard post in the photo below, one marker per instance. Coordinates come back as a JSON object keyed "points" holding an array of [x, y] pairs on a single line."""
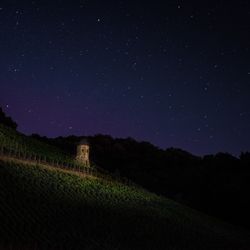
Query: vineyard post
{"points": [[19, 153], [24, 152], [16, 150], [1, 148]]}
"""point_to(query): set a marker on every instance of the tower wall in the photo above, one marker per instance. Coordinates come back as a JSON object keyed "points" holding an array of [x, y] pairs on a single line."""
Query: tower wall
{"points": [[82, 155]]}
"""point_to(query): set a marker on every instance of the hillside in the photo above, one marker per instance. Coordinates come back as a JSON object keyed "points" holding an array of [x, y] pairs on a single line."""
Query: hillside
{"points": [[208, 184], [13, 140], [47, 208], [43, 207]]}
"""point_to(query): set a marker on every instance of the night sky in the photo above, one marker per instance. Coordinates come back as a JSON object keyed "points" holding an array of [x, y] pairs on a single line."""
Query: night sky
{"points": [[174, 73]]}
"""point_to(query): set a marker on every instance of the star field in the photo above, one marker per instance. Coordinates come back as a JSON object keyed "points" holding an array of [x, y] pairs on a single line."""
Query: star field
{"points": [[174, 73]]}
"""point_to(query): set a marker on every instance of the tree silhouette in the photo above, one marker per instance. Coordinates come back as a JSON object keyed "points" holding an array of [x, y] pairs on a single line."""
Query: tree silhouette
{"points": [[6, 120]]}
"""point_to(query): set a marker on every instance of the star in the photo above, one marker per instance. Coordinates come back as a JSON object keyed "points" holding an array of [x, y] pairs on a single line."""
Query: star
{"points": [[81, 65]]}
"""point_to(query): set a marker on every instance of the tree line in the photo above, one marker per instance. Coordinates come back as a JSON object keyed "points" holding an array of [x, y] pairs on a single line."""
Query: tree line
{"points": [[215, 184], [6, 120]]}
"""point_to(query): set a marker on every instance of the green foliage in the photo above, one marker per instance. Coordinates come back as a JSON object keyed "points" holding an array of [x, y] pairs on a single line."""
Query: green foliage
{"points": [[13, 140], [46, 208], [17, 145], [50, 209]]}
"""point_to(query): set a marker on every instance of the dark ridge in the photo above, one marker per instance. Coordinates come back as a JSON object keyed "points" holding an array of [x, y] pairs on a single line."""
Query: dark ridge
{"points": [[6, 120]]}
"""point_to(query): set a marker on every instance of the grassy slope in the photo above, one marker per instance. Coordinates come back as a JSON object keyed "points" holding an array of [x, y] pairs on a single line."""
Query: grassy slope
{"points": [[48, 208], [15, 140], [40, 206]]}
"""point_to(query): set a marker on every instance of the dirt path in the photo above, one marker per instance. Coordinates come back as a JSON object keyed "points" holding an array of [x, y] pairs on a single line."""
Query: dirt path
{"points": [[46, 166]]}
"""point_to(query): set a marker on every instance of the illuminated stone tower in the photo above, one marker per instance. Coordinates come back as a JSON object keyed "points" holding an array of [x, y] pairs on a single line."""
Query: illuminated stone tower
{"points": [[82, 155]]}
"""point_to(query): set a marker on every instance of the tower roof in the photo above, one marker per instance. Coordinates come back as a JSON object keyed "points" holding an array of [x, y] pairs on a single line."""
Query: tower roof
{"points": [[83, 141]]}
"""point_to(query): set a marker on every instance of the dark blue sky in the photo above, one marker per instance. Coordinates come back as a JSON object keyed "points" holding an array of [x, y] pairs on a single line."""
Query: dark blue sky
{"points": [[174, 73]]}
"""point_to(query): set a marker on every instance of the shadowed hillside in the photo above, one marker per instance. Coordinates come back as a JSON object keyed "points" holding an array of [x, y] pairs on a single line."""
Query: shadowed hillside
{"points": [[42, 207], [48, 208], [206, 183]]}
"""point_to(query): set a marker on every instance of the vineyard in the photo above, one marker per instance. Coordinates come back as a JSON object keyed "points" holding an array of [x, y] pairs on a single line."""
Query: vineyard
{"points": [[55, 210], [48, 208], [18, 146], [24, 146]]}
